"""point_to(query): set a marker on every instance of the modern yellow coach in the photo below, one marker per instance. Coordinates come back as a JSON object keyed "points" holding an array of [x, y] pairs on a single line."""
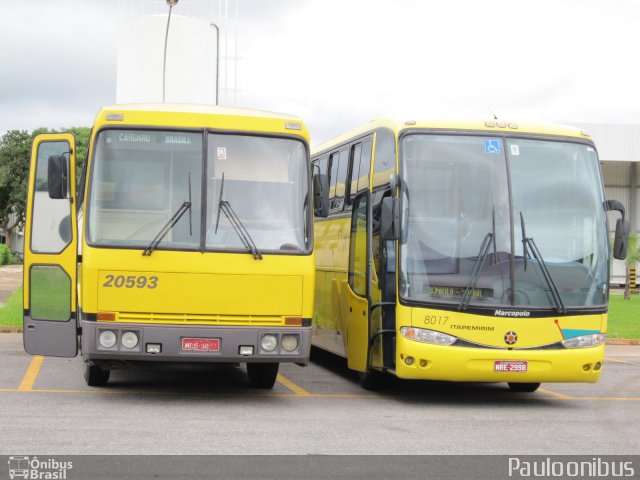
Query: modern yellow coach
{"points": [[193, 241], [464, 251]]}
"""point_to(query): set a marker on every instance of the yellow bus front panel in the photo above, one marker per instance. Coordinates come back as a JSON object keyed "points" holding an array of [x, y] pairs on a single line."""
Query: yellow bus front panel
{"points": [[462, 364], [498, 349]]}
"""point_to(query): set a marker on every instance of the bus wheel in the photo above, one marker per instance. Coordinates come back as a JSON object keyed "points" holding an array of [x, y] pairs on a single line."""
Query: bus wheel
{"points": [[262, 375], [371, 379], [95, 376], [524, 387]]}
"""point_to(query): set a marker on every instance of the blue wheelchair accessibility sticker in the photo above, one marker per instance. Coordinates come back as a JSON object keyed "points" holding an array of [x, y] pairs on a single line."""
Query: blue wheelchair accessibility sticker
{"points": [[492, 146]]}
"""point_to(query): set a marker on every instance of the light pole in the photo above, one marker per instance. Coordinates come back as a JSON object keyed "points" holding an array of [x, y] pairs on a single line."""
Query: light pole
{"points": [[217, 59], [171, 4]]}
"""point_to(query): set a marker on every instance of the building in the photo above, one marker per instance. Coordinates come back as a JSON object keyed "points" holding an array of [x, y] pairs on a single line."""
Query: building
{"points": [[619, 150]]}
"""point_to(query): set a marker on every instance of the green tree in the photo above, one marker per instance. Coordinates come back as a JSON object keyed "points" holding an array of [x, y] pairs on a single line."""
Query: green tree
{"points": [[81, 135], [14, 175], [15, 149]]}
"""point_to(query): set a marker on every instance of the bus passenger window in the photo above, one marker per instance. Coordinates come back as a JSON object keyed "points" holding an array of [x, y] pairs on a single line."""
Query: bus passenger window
{"points": [[360, 170], [337, 205], [333, 175], [355, 172], [322, 164], [385, 157]]}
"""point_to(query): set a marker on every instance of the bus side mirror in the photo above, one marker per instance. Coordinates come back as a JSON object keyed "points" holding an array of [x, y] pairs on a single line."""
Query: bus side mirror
{"points": [[621, 240], [321, 195], [57, 177], [390, 219]]}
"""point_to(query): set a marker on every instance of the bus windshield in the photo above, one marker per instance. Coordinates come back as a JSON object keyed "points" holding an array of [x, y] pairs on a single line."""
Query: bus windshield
{"points": [[142, 178], [493, 222], [266, 186]]}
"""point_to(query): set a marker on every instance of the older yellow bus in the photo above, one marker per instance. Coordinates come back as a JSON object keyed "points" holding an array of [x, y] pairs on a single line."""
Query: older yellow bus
{"points": [[464, 251], [194, 241]]}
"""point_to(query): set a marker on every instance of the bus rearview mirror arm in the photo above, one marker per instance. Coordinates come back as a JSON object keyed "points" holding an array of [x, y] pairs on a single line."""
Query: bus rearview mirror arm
{"points": [[394, 182]]}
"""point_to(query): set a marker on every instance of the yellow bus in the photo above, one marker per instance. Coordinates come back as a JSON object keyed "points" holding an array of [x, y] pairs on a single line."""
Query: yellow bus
{"points": [[464, 251], [194, 241]]}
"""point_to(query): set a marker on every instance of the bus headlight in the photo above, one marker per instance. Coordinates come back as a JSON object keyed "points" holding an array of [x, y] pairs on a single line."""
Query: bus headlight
{"points": [[427, 336], [107, 338], [129, 340], [268, 342], [585, 341], [289, 343]]}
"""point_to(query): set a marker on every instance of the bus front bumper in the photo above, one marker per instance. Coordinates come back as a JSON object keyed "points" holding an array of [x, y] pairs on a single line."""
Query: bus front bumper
{"points": [[192, 343], [416, 360]]}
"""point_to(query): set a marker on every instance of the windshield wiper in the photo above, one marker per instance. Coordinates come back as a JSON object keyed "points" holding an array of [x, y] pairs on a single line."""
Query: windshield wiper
{"points": [[489, 238], [225, 207], [168, 226], [531, 244]]}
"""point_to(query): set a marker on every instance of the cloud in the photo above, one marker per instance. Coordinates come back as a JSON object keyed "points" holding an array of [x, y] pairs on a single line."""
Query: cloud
{"points": [[339, 64], [58, 63]]}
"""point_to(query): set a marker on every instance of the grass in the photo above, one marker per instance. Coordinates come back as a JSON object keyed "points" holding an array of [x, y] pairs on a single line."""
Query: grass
{"points": [[624, 315], [11, 312]]}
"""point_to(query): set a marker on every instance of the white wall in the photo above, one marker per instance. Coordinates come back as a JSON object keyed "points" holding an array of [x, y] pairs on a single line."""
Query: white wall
{"points": [[190, 66]]}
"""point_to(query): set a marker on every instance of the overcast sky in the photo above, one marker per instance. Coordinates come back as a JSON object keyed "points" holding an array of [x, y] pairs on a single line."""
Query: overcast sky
{"points": [[340, 63]]}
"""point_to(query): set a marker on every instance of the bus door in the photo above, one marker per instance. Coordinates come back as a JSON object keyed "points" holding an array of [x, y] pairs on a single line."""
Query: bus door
{"points": [[50, 249], [357, 332], [383, 286], [371, 312]]}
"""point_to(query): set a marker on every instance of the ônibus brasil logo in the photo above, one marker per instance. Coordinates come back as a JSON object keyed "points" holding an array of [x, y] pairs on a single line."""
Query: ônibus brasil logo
{"points": [[37, 469]]}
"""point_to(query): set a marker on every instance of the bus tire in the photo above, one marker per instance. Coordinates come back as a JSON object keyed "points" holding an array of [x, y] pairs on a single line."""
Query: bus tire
{"points": [[262, 375], [371, 379], [95, 376], [523, 387]]}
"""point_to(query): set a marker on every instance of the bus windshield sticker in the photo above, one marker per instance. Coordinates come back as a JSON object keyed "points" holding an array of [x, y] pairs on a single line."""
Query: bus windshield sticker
{"points": [[492, 146], [515, 150], [222, 153]]}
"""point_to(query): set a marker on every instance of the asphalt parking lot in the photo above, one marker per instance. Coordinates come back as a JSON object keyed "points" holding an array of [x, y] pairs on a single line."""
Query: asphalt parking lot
{"points": [[319, 409]]}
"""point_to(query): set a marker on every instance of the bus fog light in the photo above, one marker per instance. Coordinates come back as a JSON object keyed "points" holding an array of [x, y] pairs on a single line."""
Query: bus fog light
{"points": [[107, 338], [597, 366], [129, 340], [268, 343], [427, 336], [408, 360], [245, 350], [289, 342], [154, 348]]}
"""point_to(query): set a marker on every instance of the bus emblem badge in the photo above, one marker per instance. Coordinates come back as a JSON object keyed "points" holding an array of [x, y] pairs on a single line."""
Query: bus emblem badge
{"points": [[510, 338]]}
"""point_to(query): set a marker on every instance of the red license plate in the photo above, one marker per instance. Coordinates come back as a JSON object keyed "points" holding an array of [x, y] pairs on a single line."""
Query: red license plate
{"points": [[512, 366], [201, 344]]}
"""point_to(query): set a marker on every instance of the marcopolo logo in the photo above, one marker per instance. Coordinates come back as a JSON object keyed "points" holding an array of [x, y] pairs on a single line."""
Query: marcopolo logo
{"points": [[588, 468], [38, 469], [512, 313]]}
